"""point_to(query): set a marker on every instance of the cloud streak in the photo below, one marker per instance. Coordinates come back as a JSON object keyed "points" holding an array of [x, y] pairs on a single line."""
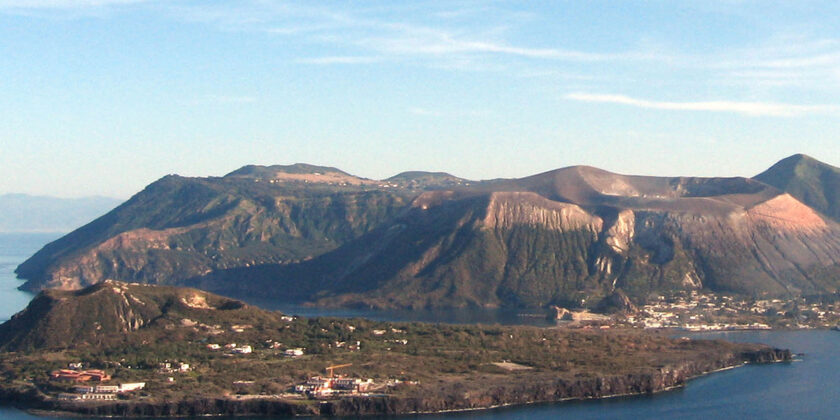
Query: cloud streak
{"points": [[755, 109]]}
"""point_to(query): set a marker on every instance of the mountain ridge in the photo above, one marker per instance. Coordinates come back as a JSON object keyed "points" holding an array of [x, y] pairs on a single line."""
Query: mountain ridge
{"points": [[559, 237], [815, 183]]}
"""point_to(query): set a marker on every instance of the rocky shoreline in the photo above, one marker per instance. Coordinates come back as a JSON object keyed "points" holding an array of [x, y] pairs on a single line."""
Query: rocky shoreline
{"points": [[536, 388]]}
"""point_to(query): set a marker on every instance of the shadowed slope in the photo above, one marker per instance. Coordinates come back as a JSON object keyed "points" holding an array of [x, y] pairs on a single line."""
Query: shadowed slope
{"points": [[419, 239]]}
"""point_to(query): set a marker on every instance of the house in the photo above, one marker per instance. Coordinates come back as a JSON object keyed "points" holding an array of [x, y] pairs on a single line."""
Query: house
{"points": [[293, 352], [95, 375], [318, 386], [242, 350], [96, 396], [351, 384], [134, 386], [106, 389], [109, 389]]}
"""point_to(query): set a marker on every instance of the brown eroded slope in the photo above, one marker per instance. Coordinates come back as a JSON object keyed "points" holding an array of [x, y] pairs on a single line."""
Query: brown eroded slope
{"points": [[567, 236]]}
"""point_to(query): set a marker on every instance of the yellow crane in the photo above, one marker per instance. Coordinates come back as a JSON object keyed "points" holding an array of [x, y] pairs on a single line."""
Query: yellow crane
{"points": [[330, 369]]}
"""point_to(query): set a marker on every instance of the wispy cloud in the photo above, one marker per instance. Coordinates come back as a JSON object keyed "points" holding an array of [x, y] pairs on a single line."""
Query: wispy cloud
{"points": [[480, 36], [356, 34], [789, 61], [418, 40], [770, 109]]}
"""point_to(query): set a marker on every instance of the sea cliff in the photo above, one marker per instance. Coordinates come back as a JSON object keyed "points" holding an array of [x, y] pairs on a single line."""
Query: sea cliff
{"points": [[540, 387]]}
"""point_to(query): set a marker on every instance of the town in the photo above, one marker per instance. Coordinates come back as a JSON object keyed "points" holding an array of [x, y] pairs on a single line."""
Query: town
{"points": [[331, 385], [228, 352], [697, 311]]}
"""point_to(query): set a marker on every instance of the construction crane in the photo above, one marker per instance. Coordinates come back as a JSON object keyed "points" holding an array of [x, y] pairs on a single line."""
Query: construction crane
{"points": [[330, 369]]}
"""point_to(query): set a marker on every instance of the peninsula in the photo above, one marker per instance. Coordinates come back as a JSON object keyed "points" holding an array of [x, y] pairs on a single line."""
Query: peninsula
{"points": [[140, 350]]}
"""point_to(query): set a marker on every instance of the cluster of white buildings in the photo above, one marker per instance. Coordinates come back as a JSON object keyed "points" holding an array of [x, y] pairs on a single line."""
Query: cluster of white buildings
{"points": [[318, 386], [169, 367], [232, 348], [100, 392]]}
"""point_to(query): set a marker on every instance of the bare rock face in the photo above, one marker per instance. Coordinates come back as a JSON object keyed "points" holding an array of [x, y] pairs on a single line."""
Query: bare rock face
{"points": [[432, 240], [509, 209], [561, 314], [620, 234]]}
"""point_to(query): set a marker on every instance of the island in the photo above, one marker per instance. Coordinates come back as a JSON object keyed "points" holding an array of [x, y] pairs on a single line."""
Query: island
{"points": [[123, 349]]}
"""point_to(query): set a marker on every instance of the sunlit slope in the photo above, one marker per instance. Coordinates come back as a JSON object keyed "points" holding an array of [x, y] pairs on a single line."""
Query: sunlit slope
{"points": [[114, 312], [180, 227], [569, 236], [814, 183]]}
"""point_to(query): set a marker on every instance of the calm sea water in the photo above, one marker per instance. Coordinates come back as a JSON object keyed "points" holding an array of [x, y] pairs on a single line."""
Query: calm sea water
{"points": [[14, 249], [807, 389]]}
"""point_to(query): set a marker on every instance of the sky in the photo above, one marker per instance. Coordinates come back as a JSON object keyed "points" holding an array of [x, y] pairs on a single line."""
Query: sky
{"points": [[102, 97]]}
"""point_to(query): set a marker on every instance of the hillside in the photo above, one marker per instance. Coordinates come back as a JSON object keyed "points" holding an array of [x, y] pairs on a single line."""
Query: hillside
{"points": [[194, 353], [108, 313], [177, 228], [812, 182], [570, 236], [29, 213]]}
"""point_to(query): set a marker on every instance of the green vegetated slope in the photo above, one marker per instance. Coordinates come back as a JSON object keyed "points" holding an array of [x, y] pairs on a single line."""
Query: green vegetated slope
{"points": [[130, 329], [814, 183], [569, 236], [110, 313], [179, 227]]}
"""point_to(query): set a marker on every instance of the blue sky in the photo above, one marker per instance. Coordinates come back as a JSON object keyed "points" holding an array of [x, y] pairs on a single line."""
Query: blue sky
{"points": [[105, 96]]}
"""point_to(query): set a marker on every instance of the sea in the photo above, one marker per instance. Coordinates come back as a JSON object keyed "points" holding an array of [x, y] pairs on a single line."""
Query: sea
{"points": [[808, 388]]}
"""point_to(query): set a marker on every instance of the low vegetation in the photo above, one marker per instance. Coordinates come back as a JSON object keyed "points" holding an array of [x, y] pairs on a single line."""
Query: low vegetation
{"points": [[423, 362]]}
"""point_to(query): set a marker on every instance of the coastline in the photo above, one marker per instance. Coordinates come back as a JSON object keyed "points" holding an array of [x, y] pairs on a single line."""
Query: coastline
{"points": [[545, 390]]}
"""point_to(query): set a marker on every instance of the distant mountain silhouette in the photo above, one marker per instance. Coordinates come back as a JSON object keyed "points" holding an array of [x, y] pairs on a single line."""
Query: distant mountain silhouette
{"points": [[28, 213]]}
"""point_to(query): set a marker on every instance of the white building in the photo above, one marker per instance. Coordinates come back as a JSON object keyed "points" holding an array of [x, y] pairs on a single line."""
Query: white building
{"points": [[242, 350], [134, 386], [293, 352]]}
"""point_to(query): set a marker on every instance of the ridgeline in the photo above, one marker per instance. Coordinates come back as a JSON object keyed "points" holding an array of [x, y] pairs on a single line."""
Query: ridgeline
{"points": [[568, 237]]}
